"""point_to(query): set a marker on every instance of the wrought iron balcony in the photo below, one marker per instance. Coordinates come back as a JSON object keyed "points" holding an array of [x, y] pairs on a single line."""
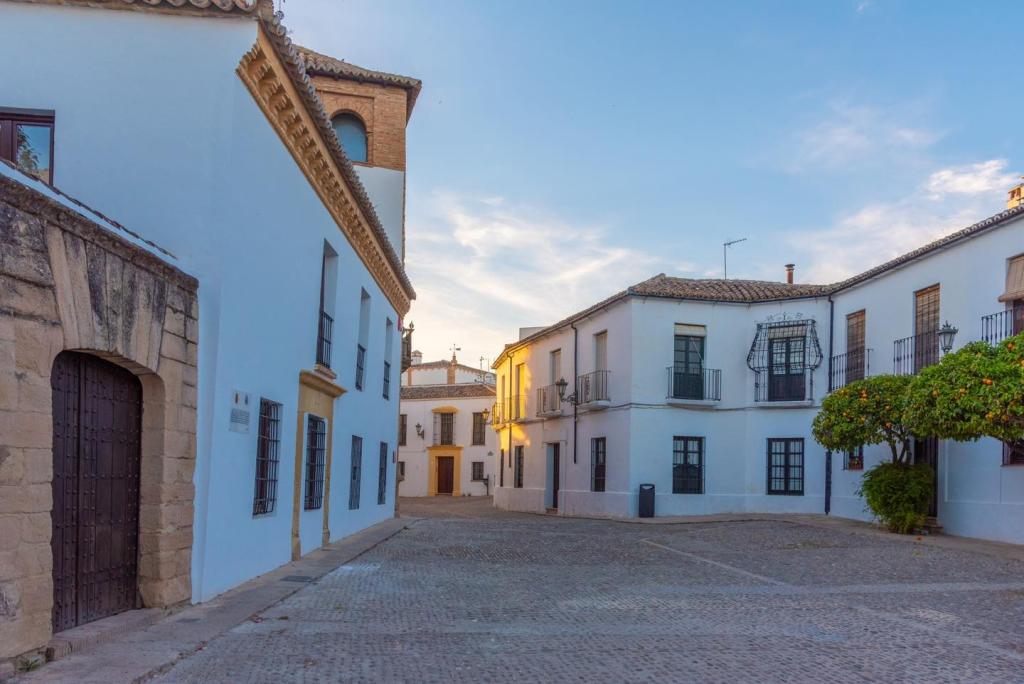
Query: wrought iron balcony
{"points": [[325, 331], [497, 416], [592, 388], [849, 367], [548, 401], [912, 354], [998, 326], [784, 384], [407, 348], [688, 384]]}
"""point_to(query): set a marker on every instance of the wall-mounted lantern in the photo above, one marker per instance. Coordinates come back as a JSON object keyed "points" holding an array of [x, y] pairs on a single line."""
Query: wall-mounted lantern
{"points": [[946, 335], [419, 431]]}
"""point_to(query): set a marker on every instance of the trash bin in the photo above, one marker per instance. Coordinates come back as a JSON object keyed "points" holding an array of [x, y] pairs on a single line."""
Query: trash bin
{"points": [[646, 501]]}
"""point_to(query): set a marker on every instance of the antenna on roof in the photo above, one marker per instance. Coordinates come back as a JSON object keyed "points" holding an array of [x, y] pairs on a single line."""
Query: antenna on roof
{"points": [[725, 256]]}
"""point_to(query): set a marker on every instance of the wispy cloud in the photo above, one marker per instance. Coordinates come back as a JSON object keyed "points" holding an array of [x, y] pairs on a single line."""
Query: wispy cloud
{"points": [[947, 200], [848, 134], [483, 267]]}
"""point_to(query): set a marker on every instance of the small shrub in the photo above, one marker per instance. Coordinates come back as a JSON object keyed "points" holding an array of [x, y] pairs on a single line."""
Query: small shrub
{"points": [[898, 494]]}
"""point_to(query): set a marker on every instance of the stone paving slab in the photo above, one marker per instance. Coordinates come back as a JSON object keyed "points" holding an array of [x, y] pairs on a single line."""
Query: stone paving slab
{"points": [[141, 654], [514, 597]]}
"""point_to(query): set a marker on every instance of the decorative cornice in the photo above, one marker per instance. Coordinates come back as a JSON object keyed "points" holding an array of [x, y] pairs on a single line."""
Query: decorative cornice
{"points": [[267, 79], [315, 381]]}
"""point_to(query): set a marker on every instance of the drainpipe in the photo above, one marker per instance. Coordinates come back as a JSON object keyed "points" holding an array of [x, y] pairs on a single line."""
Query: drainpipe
{"points": [[828, 452], [575, 404], [507, 426]]}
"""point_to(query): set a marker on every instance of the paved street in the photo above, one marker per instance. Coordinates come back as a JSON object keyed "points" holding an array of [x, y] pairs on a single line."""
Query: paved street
{"points": [[472, 594]]}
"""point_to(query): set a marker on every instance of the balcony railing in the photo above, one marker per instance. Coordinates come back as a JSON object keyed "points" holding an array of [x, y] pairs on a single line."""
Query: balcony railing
{"points": [[324, 332], [997, 327], [791, 385], [497, 416], [849, 367], [912, 354], [686, 383], [592, 387], [548, 401], [508, 409], [407, 348]]}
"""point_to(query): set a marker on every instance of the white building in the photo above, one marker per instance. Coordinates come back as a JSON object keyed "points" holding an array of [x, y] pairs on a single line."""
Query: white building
{"points": [[445, 444], [273, 176], [707, 389]]}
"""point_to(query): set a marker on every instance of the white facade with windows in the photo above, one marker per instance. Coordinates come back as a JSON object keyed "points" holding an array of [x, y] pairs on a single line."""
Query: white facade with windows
{"points": [[707, 390], [161, 120], [446, 446]]}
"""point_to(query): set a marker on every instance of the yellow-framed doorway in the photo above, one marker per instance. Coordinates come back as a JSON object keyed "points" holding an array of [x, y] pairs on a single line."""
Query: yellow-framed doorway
{"points": [[455, 452]]}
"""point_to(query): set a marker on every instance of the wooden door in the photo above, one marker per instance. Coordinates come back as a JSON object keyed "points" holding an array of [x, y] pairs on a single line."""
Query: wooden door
{"points": [[97, 409], [445, 474], [927, 451], [555, 474], [688, 367], [786, 380]]}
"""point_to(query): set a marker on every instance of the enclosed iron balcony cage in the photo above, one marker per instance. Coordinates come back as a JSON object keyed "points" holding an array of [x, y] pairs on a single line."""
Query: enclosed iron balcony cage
{"points": [[694, 384], [783, 356], [849, 367], [592, 387], [325, 330], [912, 354], [548, 401]]}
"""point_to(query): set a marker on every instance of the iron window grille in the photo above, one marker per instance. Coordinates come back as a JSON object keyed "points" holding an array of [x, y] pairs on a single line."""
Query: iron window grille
{"points": [[501, 470], [786, 466], [592, 386], [854, 459], [316, 457], [360, 365], [444, 429], [1013, 453], [26, 140], [403, 428], [704, 384], [387, 380], [687, 465], [477, 468], [598, 464], [325, 330], [356, 473], [382, 475], [401, 470], [912, 354], [783, 356], [268, 444], [478, 429], [517, 474]]}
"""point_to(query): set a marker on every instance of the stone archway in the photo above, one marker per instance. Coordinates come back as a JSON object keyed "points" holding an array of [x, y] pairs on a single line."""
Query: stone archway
{"points": [[81, 286]]}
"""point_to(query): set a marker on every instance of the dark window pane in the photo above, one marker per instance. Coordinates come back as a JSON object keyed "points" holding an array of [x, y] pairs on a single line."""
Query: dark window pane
{"points": [[32, 149]]}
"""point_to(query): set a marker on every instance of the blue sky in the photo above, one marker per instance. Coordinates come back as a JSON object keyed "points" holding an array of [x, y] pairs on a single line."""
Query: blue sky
{"points": [[561, 151]]}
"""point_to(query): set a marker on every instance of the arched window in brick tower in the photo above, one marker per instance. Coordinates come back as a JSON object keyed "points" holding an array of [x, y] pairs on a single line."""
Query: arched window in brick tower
{"points": [[351, 134]]}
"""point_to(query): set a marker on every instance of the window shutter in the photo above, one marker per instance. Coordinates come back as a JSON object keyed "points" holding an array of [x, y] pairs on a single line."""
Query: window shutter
{"points": [[1014, 280], [691, 330]]}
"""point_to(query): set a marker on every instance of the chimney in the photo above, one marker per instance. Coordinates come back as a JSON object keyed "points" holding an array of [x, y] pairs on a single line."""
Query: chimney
{"points": [[1016, 197], [417, 358], [789, 273], [451, 369]]}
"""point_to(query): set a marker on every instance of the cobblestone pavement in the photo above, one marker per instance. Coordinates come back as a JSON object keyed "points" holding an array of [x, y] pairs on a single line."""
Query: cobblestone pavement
{"points": [[510, 597]]}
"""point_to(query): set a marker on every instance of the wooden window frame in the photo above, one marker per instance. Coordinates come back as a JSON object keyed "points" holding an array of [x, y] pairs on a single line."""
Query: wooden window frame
{"points": [[682, 484], [517, 472], [501, 470], [268, 456], [10, 117], [598, 464], [403, 429], [479, 429], [792, 483]]}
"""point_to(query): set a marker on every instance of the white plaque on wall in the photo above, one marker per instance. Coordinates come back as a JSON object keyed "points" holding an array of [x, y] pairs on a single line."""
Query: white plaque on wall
{"points": [[240, 412]]}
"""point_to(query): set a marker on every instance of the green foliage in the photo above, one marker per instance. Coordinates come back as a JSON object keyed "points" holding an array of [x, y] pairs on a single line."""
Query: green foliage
{"points": [[868, 411], [898, 494], [975, 392]]}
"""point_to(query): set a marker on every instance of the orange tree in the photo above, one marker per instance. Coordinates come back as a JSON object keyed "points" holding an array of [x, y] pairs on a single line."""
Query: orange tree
{"points": [[868, 411], [975, 392]]}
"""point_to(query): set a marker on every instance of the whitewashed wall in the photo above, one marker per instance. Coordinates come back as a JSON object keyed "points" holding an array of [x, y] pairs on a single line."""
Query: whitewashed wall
{"points": [[414, 454], [155, 129]]}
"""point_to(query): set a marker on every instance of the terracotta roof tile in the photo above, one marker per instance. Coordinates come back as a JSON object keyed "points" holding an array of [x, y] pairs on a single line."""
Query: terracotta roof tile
{"points": [[464, 390], [319, 64], [753, 291], [226, 5]]}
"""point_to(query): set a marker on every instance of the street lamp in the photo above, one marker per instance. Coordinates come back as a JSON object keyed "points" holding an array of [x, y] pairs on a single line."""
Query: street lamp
{"points": [[487, 415], [561, 385], [419, 430], [946, 335]]}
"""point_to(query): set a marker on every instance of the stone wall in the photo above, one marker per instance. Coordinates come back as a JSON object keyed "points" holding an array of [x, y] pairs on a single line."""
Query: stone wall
{"points": [[69, 283]]}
